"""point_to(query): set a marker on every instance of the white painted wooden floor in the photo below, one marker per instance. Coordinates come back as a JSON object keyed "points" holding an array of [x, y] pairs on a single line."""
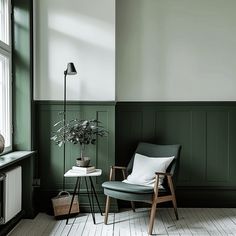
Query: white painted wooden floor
{"points": [[193, 221]]}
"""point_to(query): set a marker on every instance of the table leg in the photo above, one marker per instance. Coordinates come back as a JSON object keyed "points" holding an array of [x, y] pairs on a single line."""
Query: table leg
{"points": [[76, 185], [91, 191], [95, 194], [80, 181], [90, 203]]}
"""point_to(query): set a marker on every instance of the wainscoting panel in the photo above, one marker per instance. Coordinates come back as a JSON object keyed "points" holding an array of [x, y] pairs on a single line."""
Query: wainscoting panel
{"points": [[128, 133], [232, 148], [217, 162], [51, 156], [206, 131], [198, 147], [172, 126]]}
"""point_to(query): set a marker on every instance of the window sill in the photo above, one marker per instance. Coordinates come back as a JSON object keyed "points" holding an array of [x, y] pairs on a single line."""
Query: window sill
{"points": [[13, 157]]}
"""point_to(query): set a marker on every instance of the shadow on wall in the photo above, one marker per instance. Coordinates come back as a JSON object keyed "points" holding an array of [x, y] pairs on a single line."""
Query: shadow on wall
{"points": [[88, 41]]}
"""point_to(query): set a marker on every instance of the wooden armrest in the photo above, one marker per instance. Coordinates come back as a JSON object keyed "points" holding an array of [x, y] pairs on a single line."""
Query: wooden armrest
{"points": [[122, 168], [119, 167], [162, 173]]}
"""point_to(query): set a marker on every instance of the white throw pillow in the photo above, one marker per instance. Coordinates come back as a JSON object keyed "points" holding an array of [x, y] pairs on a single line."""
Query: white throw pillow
{"points": [[144, 169]]}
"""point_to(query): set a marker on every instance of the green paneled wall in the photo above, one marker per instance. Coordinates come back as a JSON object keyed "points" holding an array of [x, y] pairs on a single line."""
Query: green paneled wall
{"points": [[51, 156], [207, 133]]}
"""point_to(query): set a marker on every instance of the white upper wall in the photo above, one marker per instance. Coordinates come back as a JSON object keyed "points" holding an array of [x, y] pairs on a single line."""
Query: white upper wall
{"points": [[167, 50], [176, 50], [79, 31]]}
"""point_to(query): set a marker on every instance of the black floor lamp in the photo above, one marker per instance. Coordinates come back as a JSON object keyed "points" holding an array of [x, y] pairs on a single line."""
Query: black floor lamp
{"points": [[70, 70]]}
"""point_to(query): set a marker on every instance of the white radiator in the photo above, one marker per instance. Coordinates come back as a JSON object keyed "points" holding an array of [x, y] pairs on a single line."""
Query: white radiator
{"points": [[12, 193]]}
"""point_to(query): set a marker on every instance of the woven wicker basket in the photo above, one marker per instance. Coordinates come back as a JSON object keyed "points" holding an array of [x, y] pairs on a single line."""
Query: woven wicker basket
{"points": [[61, 204]]}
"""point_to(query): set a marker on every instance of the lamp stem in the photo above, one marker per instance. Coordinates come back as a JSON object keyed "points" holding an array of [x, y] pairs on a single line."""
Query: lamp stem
{"points": [[64, 123]]}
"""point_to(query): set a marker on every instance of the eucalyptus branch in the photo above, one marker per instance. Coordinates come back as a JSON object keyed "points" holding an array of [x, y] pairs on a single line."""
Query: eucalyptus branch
{"points": [[81, 132]]}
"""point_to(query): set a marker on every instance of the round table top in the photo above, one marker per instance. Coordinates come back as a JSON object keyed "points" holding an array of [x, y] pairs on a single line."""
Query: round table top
{"points": [[73, 173]]}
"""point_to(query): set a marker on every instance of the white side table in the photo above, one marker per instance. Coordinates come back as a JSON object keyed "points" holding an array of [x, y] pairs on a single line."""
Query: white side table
{"points": [[78, 175]]}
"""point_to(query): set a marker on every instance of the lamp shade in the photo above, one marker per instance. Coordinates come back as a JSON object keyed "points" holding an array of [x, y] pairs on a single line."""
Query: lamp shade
{"points": [[71, 69]]}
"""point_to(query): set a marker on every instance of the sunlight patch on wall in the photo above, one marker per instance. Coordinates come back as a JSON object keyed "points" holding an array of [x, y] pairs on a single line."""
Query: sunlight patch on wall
{"points": [[87, 29], [78, 32]]}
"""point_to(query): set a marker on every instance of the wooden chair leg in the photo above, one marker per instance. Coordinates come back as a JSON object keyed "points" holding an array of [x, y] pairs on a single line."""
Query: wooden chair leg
{"points": [[175, 207], [173, 196], [133, 206], [152, 217], [107, 210]]}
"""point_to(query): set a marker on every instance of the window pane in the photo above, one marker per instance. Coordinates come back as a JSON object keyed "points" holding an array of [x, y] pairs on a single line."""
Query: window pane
{"points": [[4, 21], [5, 101]]}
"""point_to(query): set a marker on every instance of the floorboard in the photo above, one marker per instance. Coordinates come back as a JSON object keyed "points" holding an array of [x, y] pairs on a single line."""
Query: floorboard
{"points": [[192, 221]]}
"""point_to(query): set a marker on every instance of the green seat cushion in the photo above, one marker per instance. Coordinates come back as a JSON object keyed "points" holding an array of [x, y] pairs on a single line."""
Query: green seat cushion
{"points": [[128, 188]]}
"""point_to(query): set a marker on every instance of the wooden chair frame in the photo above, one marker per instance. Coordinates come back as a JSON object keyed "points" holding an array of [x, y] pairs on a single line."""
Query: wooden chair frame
{"points": [[155, 198]]}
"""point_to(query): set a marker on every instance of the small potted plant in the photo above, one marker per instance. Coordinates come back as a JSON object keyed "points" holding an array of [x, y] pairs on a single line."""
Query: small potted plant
{"points": [[81, 132]]}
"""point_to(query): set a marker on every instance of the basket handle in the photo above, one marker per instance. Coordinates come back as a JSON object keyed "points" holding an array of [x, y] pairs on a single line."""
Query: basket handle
{"points": [[60, 193]]}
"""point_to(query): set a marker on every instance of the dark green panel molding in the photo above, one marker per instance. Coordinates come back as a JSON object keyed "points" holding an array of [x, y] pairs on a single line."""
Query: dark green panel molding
{"points": [[174, 127], [51, 156], [217, 146], [207, 133]]}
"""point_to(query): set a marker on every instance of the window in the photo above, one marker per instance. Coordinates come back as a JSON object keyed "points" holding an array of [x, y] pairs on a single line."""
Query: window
{"points": [[4, 21], [5, 75]]}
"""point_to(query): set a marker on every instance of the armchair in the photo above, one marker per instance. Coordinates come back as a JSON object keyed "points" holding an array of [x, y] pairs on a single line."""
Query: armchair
{"points": [[142, 193]]}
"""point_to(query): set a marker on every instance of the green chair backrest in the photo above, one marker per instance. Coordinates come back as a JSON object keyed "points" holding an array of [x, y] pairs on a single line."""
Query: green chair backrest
{"points": [[154, 150]]}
